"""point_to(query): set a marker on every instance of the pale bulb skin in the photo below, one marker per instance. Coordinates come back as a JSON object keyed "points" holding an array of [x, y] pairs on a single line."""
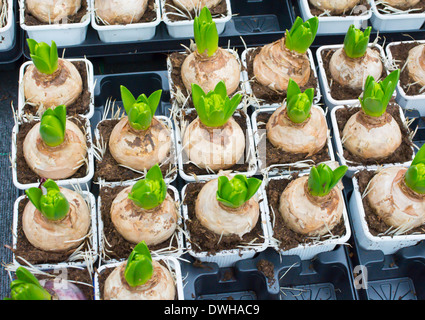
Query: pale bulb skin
{"points": [[307, 137], [59, 162], [195, 4], [61, 88], [120, 11], [393, 201], [136, 224], [335, 6], [274, 65], [353, 73], [160, 287], [309, 215], [223, 220], [368, 140], [52, 11], [416, 64], [207, 72], [62, 235], [140, 149], [214, 148], [404, 4]]}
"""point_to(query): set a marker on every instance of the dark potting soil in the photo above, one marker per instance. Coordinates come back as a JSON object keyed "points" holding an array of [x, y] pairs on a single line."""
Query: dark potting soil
{"points": [[30, 20], [240, 118], [278, 156], [177, 59], [116, 247], [267, 268], [400, 54], [204, 240], [338, 91], [108, 169], [420, 5], [33, 255], [148, 16], [288, 238], [375, 224], [80, 276], [220, 10], [260, 91], [81, 105], [403, 153], [24, 173], [356, 11]]}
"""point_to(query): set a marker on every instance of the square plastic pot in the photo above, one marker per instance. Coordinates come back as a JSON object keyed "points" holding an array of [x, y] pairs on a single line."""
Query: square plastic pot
{"points": [[93, 238], [340, 149], [165, 120], [184, 28], [395, 22], [324, 83], [228, 258], [68, 34], [387, 244], [126, 33], [102, 249], [403, 99], [310, 250], [249, 154], [90, 85], [83, 182], [335, 24], [247, 86], [7, 32], [283, 168], [172, 263]]}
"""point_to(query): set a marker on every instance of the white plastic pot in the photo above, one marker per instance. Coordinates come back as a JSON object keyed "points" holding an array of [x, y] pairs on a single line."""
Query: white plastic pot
{"points": [[90, 85], [324, 83], [172, 263], [167, 122], [247, 86], [340, 149], [310, 250], [7, 32], [128, 32], [83, 182], [388, 244], [93, 236], [280, 169], [184, 28], [335, 24], [102, 249], [249, 154], [63, 35], [395, 22], [170, 81], [227, 258], [403, 99]]}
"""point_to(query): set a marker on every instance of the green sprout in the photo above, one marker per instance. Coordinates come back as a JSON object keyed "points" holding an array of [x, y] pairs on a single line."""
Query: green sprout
{"points": [[53, 125], [235, 192], [205, 32], [52, 203], [27, 287], [356, 42], [299, 103], [44, 57], [322, 179], [141, 111], [302, 34], [415, 175], [377, 95], [139, 267], [215, 108], [151, 191]]}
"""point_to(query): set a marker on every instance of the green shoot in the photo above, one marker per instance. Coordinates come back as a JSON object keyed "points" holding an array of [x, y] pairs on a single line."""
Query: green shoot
{"points": [[139, 267], [302, 34], [235, 192], [322, 179], [415, 175], [27, 287], [298, 104], [53, 125], [205, 31], [44, 57], [356, 42]]}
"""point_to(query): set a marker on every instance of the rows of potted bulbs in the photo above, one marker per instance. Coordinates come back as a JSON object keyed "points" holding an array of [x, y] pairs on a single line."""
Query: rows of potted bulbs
{"points": [[66, 22]]}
